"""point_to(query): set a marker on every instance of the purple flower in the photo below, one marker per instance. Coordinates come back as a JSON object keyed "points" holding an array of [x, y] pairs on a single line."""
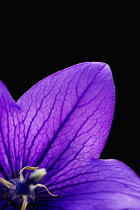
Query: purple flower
{"points": [[61, 125]]}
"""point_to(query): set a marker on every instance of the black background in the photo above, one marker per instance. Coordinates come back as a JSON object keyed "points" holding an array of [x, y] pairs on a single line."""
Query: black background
{"points": [[38, 40]]}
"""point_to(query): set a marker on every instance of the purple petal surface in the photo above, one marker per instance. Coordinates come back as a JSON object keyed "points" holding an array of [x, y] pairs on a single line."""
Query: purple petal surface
{"points": [[9, 133], [62, 119], [94, 185], [67, 116]]}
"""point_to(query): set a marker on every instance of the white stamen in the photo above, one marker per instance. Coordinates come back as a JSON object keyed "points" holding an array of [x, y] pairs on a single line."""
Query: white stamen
{"points": [[32, 187], [38, 174], [25, 203], [41, 185], [5, 183], [26, 167], [21, 177]]}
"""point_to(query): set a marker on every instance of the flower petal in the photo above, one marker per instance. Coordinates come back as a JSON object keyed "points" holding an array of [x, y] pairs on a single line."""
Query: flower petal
{"points": [[100, 184], [68, 115], [9, 133]]}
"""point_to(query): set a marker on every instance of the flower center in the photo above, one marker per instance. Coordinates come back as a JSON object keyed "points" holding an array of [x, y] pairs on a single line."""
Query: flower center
{"points": [[20, 191]]}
